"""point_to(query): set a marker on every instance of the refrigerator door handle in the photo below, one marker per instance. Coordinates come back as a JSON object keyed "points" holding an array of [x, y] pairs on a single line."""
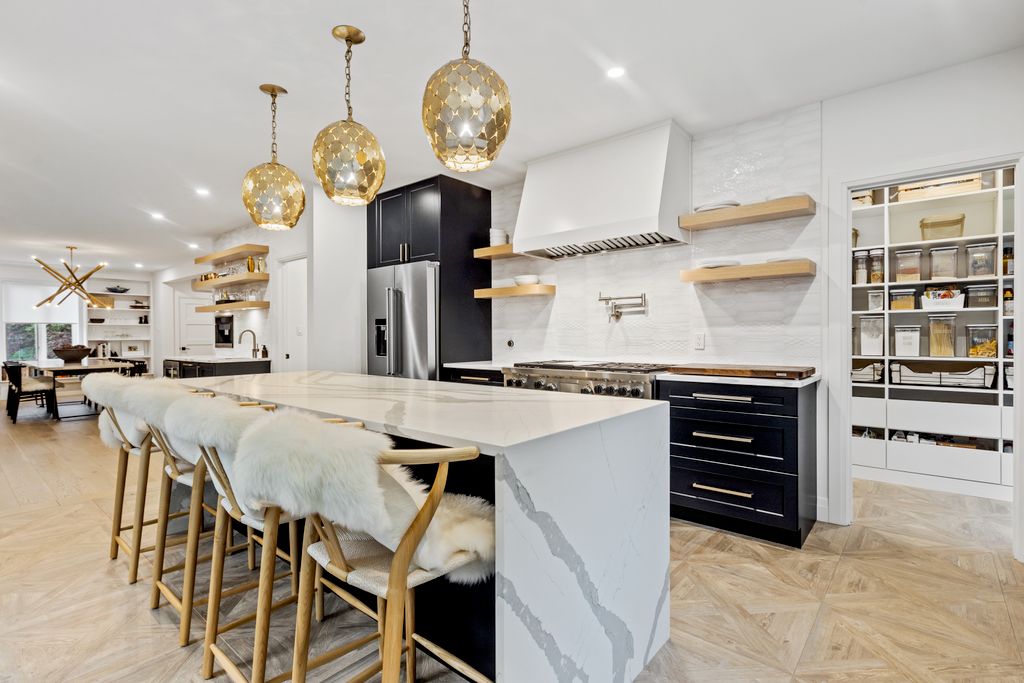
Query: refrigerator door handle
{"points": [[389, 322], [394, 323]]}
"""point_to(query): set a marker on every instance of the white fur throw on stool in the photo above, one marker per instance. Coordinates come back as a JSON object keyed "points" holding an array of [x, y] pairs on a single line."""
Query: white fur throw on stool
{"points": [[307, 466], [150, 400], [107, 389]]}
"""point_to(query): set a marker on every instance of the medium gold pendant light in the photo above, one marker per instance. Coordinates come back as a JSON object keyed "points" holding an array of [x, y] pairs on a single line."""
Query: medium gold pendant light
{"points": [[347, 158], [72, 283], [271, 192], [467, 110]]}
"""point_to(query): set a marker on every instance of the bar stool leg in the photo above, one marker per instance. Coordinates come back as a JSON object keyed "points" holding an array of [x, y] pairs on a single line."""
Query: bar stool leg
{"points": [[164, 511], [119, 482], [391, 657], [216, 578], [410, 644], [295, 553], [250, 550], [265, 595], [300, 655], [195, 528], [140, 512], [319, 593]]}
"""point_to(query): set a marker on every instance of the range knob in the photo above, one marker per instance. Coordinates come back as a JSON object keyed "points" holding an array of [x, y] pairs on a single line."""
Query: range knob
{"points": [[550, 386], [636, 392], [586, 390], [538, 384], [518, 382], [622, 391], [599, 388]]}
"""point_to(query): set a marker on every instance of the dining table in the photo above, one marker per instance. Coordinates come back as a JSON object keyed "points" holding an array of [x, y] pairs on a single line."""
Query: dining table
{"points": [[54, 368]]}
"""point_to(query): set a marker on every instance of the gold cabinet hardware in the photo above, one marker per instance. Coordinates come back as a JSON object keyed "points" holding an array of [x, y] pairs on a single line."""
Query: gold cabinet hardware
{"points": [[723, 397], [728, 492], [724, 437]]}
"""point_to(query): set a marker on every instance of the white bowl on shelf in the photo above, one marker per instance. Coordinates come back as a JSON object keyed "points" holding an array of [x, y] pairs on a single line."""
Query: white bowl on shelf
{"points": [[521, 280]]}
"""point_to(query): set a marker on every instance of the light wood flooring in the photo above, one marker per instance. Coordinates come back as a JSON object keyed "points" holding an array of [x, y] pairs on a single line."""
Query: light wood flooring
{"points": [[922, 587]]}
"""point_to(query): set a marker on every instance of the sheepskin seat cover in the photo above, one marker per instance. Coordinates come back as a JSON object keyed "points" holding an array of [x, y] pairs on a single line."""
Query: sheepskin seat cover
{"points": [[149, 400], [107, 389], [307, 466], [214, 422]]}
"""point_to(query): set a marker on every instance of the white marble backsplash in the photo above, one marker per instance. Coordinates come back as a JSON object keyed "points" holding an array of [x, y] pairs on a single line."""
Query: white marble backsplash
{"points": [[777, 321]]}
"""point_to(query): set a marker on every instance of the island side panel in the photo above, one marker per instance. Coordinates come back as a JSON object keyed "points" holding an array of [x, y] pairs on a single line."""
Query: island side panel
{"points": [[582, 577]]}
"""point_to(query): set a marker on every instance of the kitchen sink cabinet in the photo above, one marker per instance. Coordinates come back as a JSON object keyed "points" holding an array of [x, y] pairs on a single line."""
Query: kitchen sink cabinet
{"points": [[182, 369]]}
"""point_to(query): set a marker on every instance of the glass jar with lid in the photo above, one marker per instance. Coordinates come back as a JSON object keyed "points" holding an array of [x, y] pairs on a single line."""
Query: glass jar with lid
{"points": [[876, 265], [981, 259], [942, 335], [943, 262], [908, 340], [982, 296], [908, 265], [860, 267], [872, 335], [876, 300], [981, 341]]}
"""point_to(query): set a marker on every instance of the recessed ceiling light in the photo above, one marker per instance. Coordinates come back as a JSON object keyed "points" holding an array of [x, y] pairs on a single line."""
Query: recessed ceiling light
{"points": [[615, 72], [138, 265], [193, 245], [156, 215], [202, 192]]}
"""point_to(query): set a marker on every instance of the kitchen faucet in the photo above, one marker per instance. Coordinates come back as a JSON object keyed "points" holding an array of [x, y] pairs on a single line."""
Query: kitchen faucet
{"points": [[255, 349]]}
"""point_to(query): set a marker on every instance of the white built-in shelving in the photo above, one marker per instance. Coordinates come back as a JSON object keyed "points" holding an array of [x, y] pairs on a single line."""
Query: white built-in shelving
{"points": [[975, 416], [122, 332]]}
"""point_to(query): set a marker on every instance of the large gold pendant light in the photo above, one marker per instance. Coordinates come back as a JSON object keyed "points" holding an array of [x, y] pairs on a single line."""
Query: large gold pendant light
{"points": [[347, 158], [71, 283], [271, 192], [467, 110]]}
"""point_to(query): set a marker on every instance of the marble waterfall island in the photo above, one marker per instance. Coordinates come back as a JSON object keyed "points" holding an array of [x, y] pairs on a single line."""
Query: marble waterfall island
{"points": [[581, 490]]}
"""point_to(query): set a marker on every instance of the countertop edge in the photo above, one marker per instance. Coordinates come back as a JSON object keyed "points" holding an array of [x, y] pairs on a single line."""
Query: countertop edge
{"points": [[749, 381]]}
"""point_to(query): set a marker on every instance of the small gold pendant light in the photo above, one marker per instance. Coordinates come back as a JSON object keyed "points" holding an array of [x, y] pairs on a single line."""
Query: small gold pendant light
{"points": [[271, 192], [467, 110], [347, 158]]}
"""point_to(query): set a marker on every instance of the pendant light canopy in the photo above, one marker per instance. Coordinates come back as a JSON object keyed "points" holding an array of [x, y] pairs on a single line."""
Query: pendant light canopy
{"points": [[347, 158], [467, 110], [272, 193]]}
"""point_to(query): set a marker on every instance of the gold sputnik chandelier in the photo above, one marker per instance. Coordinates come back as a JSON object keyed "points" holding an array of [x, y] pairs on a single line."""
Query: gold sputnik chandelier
{"points": [[271, 192], [467, 110], [71, 283]]}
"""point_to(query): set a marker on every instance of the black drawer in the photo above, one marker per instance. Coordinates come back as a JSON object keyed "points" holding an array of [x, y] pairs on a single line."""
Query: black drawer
{"points": [[750, 440], [730, 397], [750, 495], [491, 377]]}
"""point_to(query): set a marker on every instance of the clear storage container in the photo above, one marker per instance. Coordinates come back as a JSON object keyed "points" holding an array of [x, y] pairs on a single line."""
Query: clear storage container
{"points": [[902, 299], [876, 300], [872, 335], [942, 335], [981, 341], [942, 227], [860, 267], [908, 265], [877, 266], [943, 262], [981, 259], [908, 340], [982, 296]]}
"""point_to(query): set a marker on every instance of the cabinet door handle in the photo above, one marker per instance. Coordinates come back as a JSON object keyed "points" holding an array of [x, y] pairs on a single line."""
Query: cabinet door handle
{"points": [[723, 397], [724, 437], [728, 492], [474, 378]]}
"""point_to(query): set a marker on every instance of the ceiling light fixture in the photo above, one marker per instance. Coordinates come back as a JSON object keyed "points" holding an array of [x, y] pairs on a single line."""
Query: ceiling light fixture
{"points": [[193, 245], [156, 215], [138, 265], [202, 192], [70, 283], [467, 110], [272, 193], [615, 72], [347, 159]]}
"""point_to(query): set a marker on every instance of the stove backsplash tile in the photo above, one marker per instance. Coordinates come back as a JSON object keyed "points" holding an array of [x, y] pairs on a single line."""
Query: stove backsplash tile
{"points": [[776, 321]]}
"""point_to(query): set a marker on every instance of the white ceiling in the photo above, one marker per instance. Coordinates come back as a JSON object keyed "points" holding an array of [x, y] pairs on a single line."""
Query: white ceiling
{"points": [[111, 110]]}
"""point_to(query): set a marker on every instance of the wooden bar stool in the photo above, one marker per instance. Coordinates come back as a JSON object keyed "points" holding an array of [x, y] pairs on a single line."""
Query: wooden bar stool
{"points": [[359, 503]]}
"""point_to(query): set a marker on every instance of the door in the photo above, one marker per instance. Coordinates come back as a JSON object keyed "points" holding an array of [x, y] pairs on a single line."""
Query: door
{"points": [[424, 222], [194, 331], [380, 283], [294, 341], [392, 227], [416, 336]]}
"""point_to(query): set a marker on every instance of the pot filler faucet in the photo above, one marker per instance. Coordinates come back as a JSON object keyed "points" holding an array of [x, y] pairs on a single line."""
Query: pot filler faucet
{"points": [[255, 349]]}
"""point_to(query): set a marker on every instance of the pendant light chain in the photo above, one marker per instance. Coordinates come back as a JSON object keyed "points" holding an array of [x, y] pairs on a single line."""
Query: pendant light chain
{"points": [[348, 77], [465, 29], [273, 128]]}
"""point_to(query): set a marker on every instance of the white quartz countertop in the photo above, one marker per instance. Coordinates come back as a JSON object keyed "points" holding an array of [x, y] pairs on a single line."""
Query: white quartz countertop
{"points": [[217, 359], [443, 413], [484, 365], [749, 381]]}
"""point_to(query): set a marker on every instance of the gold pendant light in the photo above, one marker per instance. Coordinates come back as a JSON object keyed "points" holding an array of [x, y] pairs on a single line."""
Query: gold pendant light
{"points": [[272, 193], [467, 110], [347, 158], [71, 283]]}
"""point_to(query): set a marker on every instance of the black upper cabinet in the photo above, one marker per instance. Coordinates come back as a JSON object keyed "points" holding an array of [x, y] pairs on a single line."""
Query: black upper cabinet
{"points": [[404, 225], [391, 229], [424, 221]]}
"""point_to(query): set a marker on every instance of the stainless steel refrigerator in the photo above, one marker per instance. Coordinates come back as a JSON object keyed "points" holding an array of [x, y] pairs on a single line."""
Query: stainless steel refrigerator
{"points": [[402, 317]]}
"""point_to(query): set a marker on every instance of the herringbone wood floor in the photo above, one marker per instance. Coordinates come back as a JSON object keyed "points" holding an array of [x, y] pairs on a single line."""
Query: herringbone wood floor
{"points": [[922, 587]]}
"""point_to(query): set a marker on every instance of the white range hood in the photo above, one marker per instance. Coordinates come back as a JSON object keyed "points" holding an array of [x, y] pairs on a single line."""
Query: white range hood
{"points": [[622, 193]]}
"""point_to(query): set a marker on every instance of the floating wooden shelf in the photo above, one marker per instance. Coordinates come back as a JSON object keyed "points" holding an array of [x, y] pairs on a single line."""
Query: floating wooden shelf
{"points": [[233, 306], [520, 290], [231, 281], [242, 251], [784, 207], [754, 271], [492, 253]]}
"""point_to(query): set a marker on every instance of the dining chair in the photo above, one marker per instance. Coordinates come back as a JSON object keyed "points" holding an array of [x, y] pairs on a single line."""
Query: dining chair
{"points": [[23, 388]]}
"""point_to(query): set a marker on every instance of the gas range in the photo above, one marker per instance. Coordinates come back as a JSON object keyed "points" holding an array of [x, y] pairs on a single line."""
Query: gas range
{"points": [[628, 380]]}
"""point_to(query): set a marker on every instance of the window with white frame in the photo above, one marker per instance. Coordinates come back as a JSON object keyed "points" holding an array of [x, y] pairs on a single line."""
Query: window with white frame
{"points": [[31, 333]]}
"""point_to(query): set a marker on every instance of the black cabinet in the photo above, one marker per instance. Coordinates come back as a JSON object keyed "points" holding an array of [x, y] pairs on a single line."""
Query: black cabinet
{"points": [[191, 369], [492, 378], [390, 228], [743, 457]]}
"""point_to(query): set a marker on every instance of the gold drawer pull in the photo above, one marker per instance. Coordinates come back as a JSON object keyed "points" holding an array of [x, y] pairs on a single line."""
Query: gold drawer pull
{"points": [[723, 397], [723, 437], [474, 378], [728, 492]]}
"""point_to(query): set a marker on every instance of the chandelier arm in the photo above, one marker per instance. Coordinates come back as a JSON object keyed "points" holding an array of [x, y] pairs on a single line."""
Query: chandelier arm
{"points": [[52, 296], [69, 294], [78, 286]]}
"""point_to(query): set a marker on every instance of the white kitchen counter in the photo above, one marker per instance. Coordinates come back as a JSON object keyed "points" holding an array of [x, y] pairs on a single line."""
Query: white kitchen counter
{"points": [[581, 507], [216, 359], [483, 365], [749, 381]]}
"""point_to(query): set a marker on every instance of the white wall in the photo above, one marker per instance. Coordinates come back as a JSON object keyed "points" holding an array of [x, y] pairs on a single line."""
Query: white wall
{"points": [[337, 297]]}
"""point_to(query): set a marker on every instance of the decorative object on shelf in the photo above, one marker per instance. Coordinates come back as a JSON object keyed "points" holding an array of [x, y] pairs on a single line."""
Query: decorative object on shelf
{"points": [[272, 193], [937, 187], [498, 237], [71, 283], [526, 279], [467, 110], [116, 289], [261, 264], [71, 354], [615, 307], [854, 236], [862, 198], [947, 226], [250, 264], [347, 159]]}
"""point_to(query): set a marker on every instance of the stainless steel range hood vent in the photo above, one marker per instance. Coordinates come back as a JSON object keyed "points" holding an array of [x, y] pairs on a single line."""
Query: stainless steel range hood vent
{"points": [[624, 193]]}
